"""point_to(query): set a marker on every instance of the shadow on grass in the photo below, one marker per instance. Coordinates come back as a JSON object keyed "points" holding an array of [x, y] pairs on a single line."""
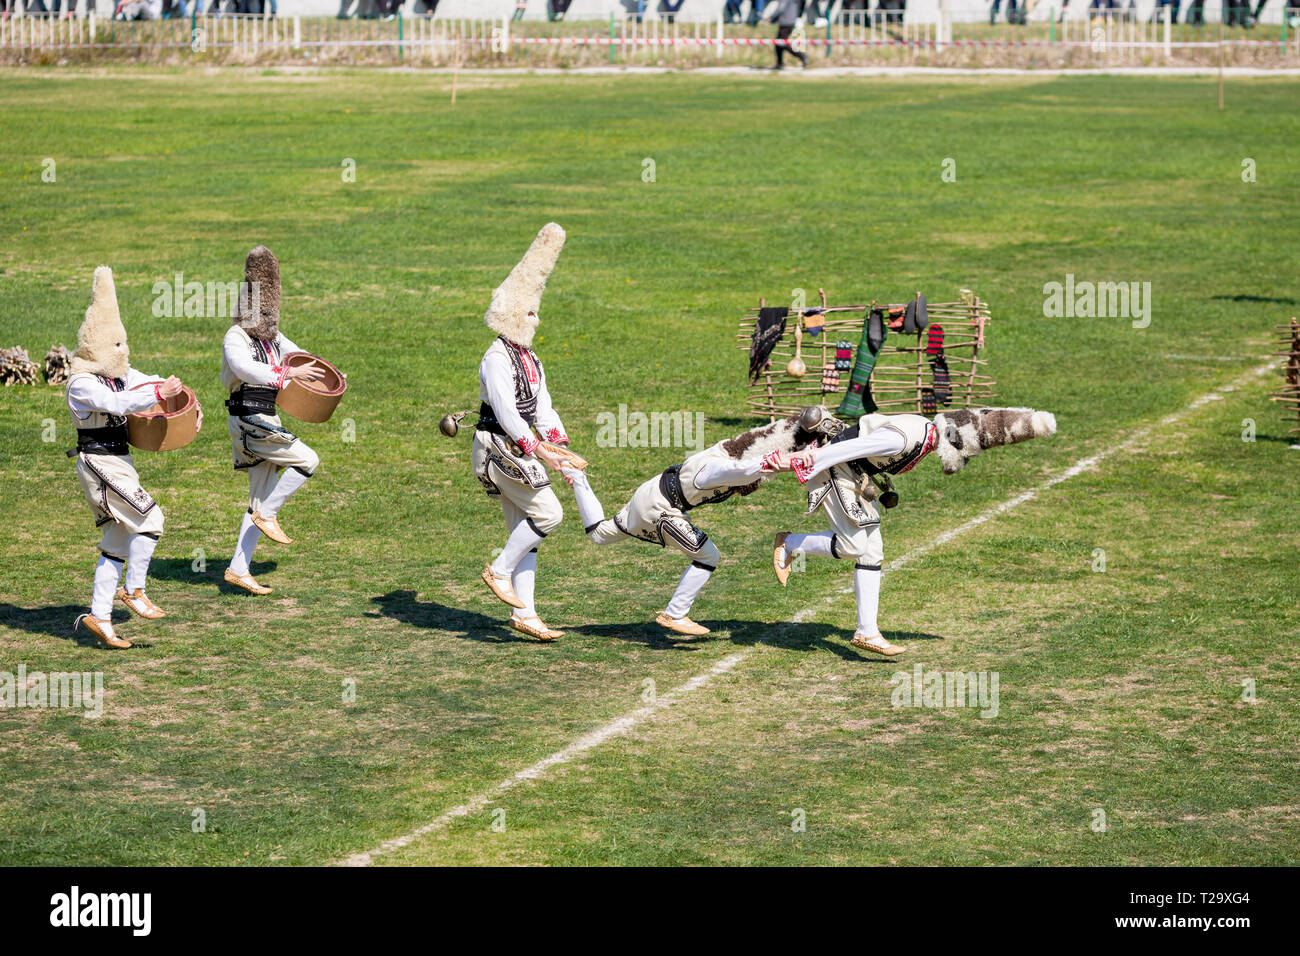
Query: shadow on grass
{"points": [[57, 622], [1283, 300], [402, 605], [182, 569], [1284, 439], [810, 637]]}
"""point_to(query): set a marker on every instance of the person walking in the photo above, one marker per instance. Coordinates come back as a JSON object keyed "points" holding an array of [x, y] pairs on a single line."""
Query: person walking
{"points": [[786, 17]]}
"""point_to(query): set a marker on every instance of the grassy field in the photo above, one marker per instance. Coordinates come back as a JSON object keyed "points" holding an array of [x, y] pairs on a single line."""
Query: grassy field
{"points": [[1121, 690]]}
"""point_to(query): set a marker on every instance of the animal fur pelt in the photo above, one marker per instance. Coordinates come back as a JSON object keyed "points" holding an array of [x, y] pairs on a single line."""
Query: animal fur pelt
{"points": [[791, 434], [512, 314], [101, 340], [258, 308], [965, 432]]}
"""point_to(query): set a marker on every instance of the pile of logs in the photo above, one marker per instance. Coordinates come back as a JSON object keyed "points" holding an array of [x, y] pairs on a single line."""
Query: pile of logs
{"points": [[902, 374], [16, 367], [57, 364]]}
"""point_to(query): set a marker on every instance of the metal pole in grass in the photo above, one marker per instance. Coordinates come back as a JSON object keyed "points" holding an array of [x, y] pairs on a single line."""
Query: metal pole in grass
{"points": [[399, 35], [611, 37], [1220, 61], [1051, 25], [455, 69]]}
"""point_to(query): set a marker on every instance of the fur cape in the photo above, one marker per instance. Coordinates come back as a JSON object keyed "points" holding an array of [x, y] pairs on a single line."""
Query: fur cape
{"points": [[965, 432], [787, 435], [101, 340], [258, 309], [512, 314]]}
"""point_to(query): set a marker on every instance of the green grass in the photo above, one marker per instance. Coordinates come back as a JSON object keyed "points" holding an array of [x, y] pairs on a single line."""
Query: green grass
{"points": [[1120, 690]]}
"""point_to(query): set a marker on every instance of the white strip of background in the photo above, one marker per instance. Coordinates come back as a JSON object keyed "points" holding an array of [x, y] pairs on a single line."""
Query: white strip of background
{"points": [[629, 721]]}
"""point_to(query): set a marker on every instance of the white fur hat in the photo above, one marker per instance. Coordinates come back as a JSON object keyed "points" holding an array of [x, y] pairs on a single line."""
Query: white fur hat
{"points": [[515, 302], [965, 432], [101, 340]]}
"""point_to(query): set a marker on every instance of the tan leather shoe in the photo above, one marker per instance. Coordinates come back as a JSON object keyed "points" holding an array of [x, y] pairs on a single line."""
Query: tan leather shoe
{"points": [[271, 528], [877, 643], [501, 587], [137, 602], [246, 582], [682, 625], [781, 557], [102, 630], [533, 627]]}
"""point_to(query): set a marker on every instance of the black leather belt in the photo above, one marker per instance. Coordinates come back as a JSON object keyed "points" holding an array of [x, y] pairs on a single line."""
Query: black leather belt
{"points": [[670, 486], [487, 421], [253, 400], [109, 440]]}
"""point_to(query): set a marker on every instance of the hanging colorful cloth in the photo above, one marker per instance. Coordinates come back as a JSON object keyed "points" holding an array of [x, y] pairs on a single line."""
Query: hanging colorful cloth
{"points": [[767, 332], [857, 400]]}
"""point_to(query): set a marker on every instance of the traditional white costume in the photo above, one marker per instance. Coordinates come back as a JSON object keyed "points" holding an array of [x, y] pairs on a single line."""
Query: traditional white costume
{"points": [[657, 510], [515, 409], [276, 461], [846, 474], [101, 392]]}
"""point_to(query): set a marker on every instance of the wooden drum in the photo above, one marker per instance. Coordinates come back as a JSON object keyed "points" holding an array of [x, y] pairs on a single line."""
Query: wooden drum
{"points": [[314, 402], [167, 425]]}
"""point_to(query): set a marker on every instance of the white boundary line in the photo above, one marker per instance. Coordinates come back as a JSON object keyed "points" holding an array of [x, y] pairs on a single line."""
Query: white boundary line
{"points": [[630, 720]]}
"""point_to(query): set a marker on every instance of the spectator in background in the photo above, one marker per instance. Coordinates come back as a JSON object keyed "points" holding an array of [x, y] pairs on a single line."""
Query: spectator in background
{"points": [[731, 11], [1158, 11], [1196, 13], [786, 16], [817, 14], [1011, 12], [854, 11], [670, 8], [138, 10], [1237, 12]]}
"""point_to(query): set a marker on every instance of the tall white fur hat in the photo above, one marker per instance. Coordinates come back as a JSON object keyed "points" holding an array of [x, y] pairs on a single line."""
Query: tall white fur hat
{"points": [[512, 313], [101, 340], [965, 432]]}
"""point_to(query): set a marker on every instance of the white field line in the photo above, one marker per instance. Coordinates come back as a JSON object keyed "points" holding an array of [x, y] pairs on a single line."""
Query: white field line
{"points": [[632, 719]]}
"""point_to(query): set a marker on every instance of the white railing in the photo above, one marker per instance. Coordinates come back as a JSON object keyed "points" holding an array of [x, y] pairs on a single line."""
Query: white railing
{"points": [[617, 41]]}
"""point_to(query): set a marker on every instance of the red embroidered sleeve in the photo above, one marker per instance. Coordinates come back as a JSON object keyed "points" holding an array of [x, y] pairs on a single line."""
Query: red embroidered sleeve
{"points": [[557, 437], [528, 444]]}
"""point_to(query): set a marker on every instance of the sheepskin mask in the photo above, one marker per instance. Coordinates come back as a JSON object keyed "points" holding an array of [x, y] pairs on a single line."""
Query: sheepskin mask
{"points": [[512, 314], [965, 432], [258, 309], [101, 340]]}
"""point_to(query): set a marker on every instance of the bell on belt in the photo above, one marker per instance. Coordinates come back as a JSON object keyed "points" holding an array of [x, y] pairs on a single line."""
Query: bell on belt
{"points": [[450, 424]]}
